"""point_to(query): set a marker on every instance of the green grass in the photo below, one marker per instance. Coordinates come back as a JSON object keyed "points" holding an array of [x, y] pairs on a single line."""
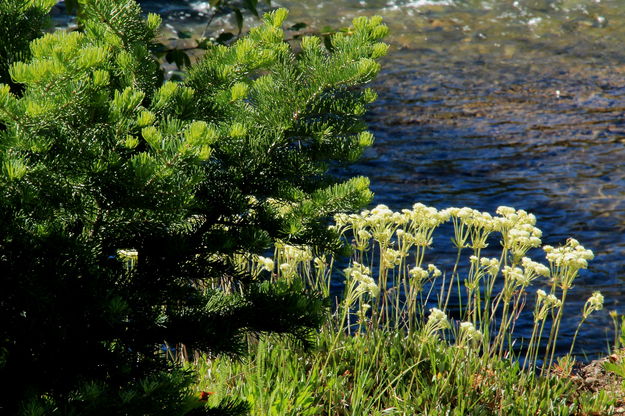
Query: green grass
{"points": [[389, 373], [382, 353]]}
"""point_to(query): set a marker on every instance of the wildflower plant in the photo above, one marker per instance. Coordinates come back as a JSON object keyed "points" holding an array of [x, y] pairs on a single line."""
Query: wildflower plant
{"points": [[565, 262], [389, 283], [468, 335], [391, 347], [436, 322], [395, 245], [594, 303]]}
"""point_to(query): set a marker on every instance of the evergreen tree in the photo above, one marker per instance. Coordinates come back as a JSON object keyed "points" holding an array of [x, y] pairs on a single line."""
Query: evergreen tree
{"points": [[25, 19], [122, 197]]}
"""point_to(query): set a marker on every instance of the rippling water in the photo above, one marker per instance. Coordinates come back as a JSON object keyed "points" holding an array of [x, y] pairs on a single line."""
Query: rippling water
{"points": [[496, 102], [512, 103]]}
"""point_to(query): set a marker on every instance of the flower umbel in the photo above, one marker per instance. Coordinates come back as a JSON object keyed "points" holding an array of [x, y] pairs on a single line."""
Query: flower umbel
{"points": [[437, 321]]}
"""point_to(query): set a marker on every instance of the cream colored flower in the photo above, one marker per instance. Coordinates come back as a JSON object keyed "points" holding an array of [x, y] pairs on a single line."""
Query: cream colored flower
{"points": [[265, 263], [594, 303]]}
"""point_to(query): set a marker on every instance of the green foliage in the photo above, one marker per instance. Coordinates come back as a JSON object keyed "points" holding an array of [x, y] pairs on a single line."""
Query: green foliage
{"points": [[387, 372], [616, 368], [26, 19], [162, 394], [123, 200]]}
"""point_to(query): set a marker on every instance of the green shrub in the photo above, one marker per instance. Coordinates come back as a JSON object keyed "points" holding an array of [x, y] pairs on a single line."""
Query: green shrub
{"points": [[26, 19], [124, 198]]}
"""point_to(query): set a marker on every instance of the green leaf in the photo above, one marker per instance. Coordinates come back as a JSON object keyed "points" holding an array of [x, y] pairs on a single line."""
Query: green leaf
{"points": [[15, 168], [616, 368]]}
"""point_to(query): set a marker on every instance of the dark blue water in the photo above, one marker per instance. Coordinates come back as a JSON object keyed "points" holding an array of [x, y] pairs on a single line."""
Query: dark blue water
{"points": [[485, 103]]}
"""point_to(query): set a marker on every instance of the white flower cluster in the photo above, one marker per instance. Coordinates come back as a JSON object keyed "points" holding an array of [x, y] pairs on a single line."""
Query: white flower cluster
{"points": [[472, 217], [341, 222], [380, 223], [320, 263], [434, 271], [594, 303], [516, 276], [362, 238], [295, 254], [287, 270], [470, 223], [436, 321], [380, 213], [436, 315], [414, 237], [534, 268], [289, 258], [362, 312], [392, 258], [362, 281], [518, 229], [545, 303], [265, 263], [490, 266], [572, 255], [414, 228], [418, 275], [524, 277], [566, 261], [468, 333], [129, 255], [424, 217]]}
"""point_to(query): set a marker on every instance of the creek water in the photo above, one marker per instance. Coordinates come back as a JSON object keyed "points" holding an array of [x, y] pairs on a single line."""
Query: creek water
{"points": [[485, 103]]}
